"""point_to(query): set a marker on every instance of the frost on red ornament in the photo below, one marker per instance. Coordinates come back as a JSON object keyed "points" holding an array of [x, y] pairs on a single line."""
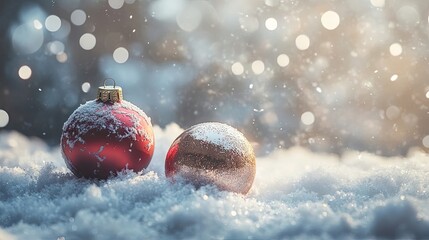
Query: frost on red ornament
{"points": [[102, 138], [213, 153]]}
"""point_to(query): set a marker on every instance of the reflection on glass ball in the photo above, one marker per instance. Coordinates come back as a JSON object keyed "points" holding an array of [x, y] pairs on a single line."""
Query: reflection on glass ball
{"points": [[213, 153]]}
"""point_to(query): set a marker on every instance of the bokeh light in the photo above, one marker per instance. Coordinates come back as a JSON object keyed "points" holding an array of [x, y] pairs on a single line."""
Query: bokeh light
{"points": [[425, 141], [307, 118], [189, 18], [24, 72], [237, 68], [26, 39], [52, 23], [116, 4], [55, 47], [271, 24], [37, 24], [62, 57], [395, 49], [258, 67], [378, 3], [85, 87], [120, 55], [283, 60], [358, 67], [330, 20], [78, 17], [393, 112], [302, 42], [87, 41], [4, 118]]}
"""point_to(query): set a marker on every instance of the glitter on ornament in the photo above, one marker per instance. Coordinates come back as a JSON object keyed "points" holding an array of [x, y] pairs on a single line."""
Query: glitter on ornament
{"points": [[107, 135], [213, 153]]}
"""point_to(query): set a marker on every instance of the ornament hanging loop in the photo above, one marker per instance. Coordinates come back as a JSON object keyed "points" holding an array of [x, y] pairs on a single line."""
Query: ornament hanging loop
{"points": [[113, 80], [110, 94]]}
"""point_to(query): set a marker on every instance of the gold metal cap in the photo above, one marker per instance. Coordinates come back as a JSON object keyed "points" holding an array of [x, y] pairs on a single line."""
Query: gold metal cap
{"points": [[110, 93]]}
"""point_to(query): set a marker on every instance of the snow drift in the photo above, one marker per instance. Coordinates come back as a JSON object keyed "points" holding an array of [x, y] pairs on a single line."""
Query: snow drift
{"points": [[296, 194]]}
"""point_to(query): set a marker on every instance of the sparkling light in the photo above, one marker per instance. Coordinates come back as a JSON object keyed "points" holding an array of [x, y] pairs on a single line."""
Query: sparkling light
{"points": [[86, 86], [283, 60], [120, 55], [307, 118], [302, 42], [395, 49], [425, 141], [237, 68], [53, 23], [271, 24], [116, 4], [330, 20], [427, 94], [258, 67], [78, 17], [4, 118], [377, 3], [24, 72], [87, 41]]}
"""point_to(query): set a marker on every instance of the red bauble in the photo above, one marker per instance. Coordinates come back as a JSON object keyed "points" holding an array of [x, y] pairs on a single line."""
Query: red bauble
{"points": [[213, 153], [107, 135]]}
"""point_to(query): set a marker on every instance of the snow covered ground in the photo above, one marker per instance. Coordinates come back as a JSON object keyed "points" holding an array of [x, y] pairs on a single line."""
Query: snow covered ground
{"points": [[296, 194]]}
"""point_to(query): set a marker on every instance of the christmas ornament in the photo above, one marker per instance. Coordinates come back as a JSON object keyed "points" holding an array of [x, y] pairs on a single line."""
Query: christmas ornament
{"points": [[107, 135], [213, 153]]}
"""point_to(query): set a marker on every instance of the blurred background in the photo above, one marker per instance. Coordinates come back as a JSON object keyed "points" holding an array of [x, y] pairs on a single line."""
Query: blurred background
{"points": [[328, 75]]}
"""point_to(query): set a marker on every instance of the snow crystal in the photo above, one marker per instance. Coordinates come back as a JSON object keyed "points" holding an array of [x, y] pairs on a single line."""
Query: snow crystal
{"points": [[296, 194], [98, 115], [219, 134]]}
